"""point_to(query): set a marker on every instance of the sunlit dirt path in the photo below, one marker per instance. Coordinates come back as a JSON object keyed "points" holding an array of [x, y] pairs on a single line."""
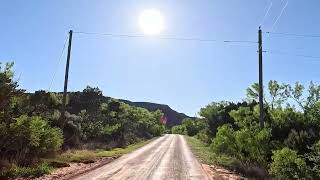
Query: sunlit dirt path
{"points": [[168, 157]]}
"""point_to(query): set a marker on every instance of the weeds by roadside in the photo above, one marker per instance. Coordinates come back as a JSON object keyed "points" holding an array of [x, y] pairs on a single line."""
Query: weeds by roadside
{"points": [[205, 155], [16, 171], [62, 160]]}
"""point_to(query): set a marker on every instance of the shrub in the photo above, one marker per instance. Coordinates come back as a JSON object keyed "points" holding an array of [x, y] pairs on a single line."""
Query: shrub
{"points": [[252, 145], [247, 145], [287, 165], [203, 136], [225, 142], [193, 126], [15, 172], [314, 158], [299, 140], [31, 137], [178, 129]]}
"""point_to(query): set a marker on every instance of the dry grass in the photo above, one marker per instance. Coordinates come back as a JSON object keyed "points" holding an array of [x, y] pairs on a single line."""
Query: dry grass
{"points": [[87, 156], [205, 155], [121, 151], [77, 156]]}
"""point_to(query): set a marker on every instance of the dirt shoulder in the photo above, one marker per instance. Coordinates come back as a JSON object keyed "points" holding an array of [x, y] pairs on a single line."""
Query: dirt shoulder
{"points": [[76, 169], [78, 162], [216, 172]]}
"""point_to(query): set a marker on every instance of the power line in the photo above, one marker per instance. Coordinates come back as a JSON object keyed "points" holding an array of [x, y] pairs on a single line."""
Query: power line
{"points": [[280, 15], [237, 41], [163, 37], [295, 35], [291, 54], [58, 63], [267, 12]]}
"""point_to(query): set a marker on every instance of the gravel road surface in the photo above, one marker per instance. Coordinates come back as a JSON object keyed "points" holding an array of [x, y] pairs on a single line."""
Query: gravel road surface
{"points": [[168, 157]]}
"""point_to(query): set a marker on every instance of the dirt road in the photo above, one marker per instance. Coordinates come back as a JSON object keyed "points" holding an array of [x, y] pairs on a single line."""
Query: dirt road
{"points": [[168, 157]]}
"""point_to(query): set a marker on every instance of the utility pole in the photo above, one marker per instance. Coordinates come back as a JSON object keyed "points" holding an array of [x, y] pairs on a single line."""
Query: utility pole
{"points": [[260, 80], [64, 99]]}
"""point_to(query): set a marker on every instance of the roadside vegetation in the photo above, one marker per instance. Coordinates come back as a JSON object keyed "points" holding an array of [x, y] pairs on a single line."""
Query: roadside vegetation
{"points": [[84, 156], [288, 147], [202, 151], [33, 130]]}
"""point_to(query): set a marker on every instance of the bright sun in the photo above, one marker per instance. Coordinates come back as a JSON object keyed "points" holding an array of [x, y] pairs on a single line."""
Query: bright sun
{"points": [[151, 22]]}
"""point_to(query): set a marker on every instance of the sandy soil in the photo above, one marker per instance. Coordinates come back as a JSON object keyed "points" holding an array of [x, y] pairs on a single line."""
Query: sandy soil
{"points": [[217, 173]]}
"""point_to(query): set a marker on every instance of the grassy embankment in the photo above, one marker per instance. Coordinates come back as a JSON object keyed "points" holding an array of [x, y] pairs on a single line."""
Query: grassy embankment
{"points": [[206, 156], [80, 156], [92, 155]]}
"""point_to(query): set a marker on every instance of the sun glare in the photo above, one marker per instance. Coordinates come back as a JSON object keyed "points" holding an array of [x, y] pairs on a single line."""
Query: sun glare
{"points": [[151, 22]]}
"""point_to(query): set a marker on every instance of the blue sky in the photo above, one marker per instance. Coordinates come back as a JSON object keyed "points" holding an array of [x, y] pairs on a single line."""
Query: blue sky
{"points": [[186, 75]]}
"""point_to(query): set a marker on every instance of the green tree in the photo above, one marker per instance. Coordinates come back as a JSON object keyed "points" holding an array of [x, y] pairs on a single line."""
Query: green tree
{"points": [[193, 126], [225, 141], [287, 165], [8, 87], [179, 129], [217, 114], [314, 158], [30, 137]]}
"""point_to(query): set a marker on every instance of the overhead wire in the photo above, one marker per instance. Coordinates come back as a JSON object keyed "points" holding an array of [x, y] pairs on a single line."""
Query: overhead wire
{"points": [[164, 37], [277, 18], [295, 35], [315, 58], [280, 15], [58, 63], [267, 12], [292, 54]]}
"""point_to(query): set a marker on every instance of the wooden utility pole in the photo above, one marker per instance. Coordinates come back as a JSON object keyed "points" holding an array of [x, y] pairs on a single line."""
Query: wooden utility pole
{"points": [[260, 80], [65, 89]]}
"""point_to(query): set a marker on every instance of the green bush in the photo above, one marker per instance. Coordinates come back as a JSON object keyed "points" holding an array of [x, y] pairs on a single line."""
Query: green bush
{"points": [[15, 172], [225, 142], [178, 129], [252, 145], [190, 127], [287, 165], [29, 121], [291, 121], [119, 122], [314, 158], [247, 145], [193, 126], [31, 137], [203, 136]]}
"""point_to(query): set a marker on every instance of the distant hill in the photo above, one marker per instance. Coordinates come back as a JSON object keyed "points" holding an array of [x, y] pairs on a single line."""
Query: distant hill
{"points": [[174, 117]]}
